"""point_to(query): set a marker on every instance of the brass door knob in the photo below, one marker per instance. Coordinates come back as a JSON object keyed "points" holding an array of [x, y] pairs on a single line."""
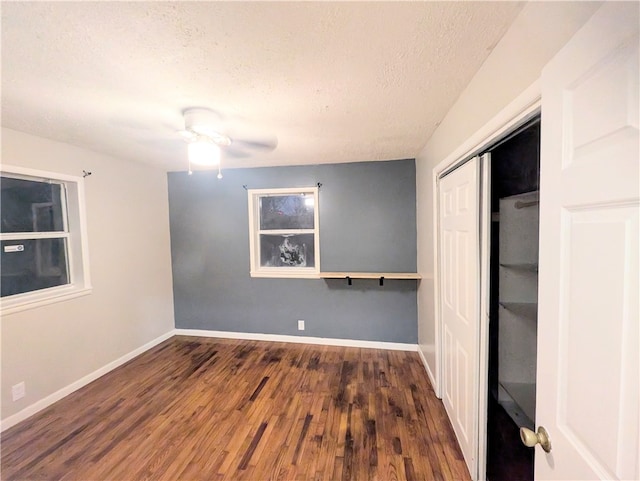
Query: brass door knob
{"points": [[530, 439]]}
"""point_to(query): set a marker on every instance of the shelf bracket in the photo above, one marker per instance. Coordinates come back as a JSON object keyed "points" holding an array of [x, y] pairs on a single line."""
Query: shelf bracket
{"points": [[382, 280], [349, 281]]}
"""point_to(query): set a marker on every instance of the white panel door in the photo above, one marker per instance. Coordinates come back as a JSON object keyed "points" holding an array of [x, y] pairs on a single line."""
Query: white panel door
{"points": [[459, 303], [587, 372]]}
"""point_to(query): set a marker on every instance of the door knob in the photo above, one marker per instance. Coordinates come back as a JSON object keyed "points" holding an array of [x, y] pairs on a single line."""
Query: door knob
{"points": [[530, 439]]}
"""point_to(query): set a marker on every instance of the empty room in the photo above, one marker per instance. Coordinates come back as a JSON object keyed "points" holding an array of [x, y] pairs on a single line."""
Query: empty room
{"points": [[320, 240]]}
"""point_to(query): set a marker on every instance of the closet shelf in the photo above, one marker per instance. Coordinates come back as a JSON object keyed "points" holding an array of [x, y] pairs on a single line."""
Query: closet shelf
{"points": [[519, 401], [524, 266], [525, 309]]}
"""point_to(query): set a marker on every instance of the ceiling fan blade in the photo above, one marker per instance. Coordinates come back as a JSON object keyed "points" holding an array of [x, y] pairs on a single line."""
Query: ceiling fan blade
{"points": [[257, 145], [236, 153]]}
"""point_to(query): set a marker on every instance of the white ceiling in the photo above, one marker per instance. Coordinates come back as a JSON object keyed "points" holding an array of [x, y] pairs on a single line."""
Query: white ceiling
{"points": [[334, 82]]}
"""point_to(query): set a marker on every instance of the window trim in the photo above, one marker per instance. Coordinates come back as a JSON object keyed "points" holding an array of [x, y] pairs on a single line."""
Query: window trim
{"points": [[75, 220], [256, 270]]}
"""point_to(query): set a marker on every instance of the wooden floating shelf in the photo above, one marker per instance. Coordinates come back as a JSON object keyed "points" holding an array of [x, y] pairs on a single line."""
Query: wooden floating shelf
{"points": [[370, 275], [381, 276]]}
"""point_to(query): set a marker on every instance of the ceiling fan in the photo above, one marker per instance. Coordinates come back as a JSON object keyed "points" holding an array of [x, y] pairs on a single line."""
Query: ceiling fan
{"points": [[207, 139]]}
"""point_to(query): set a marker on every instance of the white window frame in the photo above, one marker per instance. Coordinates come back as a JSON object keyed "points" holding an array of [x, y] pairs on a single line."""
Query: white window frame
{"points": [[77, 244], [256, 270]]}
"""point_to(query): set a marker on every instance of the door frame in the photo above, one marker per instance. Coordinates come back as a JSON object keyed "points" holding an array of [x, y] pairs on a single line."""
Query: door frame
{"points": [[518, 112]]}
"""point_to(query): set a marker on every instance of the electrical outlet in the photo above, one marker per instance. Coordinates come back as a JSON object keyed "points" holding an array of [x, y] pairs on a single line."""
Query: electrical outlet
{"points": [[300, 325], [18, 391]]}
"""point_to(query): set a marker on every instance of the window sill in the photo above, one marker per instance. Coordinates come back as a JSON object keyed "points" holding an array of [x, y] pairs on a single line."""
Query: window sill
{"points": [[286, 275], [42, 298]]}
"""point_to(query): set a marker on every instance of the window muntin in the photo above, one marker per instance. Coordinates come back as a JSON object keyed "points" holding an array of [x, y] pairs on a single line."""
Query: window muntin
{"points": [[43, 248], [284, 232]]}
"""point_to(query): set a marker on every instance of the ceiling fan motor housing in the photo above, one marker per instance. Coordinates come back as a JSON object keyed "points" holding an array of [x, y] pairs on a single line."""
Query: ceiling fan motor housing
{"points": [[202, 123]]}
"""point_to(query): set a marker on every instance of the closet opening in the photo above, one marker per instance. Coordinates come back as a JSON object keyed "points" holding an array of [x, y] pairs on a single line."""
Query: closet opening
{"points": [[513, 294]]}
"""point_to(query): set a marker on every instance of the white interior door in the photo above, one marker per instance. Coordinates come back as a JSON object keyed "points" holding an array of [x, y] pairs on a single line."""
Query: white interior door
{"points": [[459, 246], [587, 374]]}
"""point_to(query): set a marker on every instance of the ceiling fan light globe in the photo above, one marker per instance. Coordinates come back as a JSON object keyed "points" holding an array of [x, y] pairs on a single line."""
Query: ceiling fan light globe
{"points": [[203, 152]]}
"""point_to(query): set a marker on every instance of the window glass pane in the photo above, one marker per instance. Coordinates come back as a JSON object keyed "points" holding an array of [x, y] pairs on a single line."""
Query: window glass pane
{"points": [[287, 212], [287, 250], [30, 265], [31, 206]]}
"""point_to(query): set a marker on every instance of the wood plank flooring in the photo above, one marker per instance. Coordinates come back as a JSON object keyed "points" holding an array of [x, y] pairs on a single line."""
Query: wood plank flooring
{"points": [[211, 409]]}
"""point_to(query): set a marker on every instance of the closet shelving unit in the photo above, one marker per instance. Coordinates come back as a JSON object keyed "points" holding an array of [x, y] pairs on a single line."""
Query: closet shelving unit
{"points": [[518, 312]]}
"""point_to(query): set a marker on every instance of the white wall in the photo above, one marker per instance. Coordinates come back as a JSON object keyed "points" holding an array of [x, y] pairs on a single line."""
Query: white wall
{"points": [[53, 346], [516, 62]]}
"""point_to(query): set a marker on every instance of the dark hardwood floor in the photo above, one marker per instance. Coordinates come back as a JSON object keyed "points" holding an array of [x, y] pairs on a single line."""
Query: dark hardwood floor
{"points": [[212, 409]]}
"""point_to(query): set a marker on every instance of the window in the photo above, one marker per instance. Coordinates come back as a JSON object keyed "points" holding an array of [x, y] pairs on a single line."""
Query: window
{"points": [[283, 225], [42, 238]]}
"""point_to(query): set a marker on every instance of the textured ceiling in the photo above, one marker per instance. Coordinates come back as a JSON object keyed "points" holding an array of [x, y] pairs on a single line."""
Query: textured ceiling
{"points": [[334, 82]]}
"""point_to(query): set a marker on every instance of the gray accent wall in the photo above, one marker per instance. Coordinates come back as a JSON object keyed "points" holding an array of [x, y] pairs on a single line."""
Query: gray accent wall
{"points": [[367, 223]]}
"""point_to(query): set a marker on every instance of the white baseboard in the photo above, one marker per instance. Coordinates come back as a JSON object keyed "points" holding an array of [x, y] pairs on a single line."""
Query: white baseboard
{"points": [[428, 369], [74, 386], [325, 341]]}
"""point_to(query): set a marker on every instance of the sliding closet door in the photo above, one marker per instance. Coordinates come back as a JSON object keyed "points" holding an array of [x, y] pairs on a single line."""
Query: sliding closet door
{"points": [[459, 302]]}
